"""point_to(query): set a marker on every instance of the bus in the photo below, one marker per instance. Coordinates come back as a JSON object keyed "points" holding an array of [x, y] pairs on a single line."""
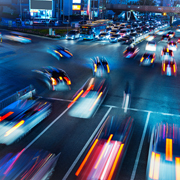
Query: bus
{"points": [[108, 22], [91, 31]]}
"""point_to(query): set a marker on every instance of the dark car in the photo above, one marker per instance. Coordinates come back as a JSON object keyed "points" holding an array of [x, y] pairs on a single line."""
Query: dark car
{"points": [[148, 59], [59, 52], [127, 39], [89, 97], [166, 53], [56, 79], [107, 150], [165, 38], [171, 34], [131, 52], [169, 67], [100, 67], [28, 164]]}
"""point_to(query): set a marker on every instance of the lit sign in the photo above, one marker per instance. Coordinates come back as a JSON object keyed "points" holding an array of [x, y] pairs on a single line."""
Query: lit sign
{"points": [[76, 1], [76, 7]]}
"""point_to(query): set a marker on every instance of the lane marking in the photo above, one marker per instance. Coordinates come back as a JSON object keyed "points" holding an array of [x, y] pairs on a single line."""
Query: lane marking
{"points": [[111, 106], [56, 99], [86, 145], [140, 148], [37, 137]]}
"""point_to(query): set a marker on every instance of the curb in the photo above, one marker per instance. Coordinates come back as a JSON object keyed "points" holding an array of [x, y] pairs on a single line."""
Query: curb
{"points": [[45, 37]]}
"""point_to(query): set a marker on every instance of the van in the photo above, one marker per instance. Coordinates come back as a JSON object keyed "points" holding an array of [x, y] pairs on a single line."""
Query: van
{"points": [[125, 32]]}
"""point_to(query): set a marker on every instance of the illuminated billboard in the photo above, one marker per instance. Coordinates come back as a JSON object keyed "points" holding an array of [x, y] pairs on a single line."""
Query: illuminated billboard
{"points": [[77, 1], [41, 4], [76, 7]]}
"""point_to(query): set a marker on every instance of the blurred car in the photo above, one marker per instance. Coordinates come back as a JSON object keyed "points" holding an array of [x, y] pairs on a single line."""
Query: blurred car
{"points": [[89, 97], [56, 79], [100, 67], [131, 51], [166, 53], [151, 46], [28, 164], [165, 37], [103, 36], [163, 157], [107, 151], [148, 59], [73, 34], [18, 21], [169, 67], [161, 32], [127, 39], [20, 117], [114, 31], [150, 37], [133, 31], [172, 45], [17, 38], [114, 38], [178, 29], [171, 34], [108, 29], [59, 52], [27, 22]]}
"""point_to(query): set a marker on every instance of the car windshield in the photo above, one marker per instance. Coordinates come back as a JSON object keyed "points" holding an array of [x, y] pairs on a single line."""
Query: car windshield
{"points": [[114, 31], [130, 49], [165, 36], [71, 32], [103, 34], [151, 43], [147, 56], [123, 31], [115, 35]]}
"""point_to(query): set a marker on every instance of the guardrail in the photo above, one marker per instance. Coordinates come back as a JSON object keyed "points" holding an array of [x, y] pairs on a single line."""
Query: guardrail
{"points": [[25, 93], [141, 38]]}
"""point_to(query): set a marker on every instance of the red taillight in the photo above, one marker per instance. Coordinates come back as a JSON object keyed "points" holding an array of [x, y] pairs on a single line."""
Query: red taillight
{"points": [[67, 80], [54, 82]]}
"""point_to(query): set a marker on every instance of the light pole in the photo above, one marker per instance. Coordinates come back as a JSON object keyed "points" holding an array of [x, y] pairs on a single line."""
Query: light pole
{"points": [[20, 10]]}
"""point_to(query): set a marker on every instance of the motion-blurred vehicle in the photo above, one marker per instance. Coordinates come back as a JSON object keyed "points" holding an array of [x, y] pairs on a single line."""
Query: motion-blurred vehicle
{"points": [[165, 38], [151, 46], [89, 97], [27, 22], [131, 52], [127, 39], [59, 52], [28, 164], [171, 34], [18, 21], [114, 31], [166, 53], [150, 37], [103, 36], [20, 117], [148, 59], [114, 38], [125, 32], [107, 151], [73, 34], [17, 38], [108, 29], [100, 67], [163, 157], [169, 67], [161, 32], [172, 45], [55, 79]]}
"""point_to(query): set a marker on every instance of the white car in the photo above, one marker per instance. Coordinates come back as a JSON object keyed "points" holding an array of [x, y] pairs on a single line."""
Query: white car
{"points": [[151, 46], [172, 46]]}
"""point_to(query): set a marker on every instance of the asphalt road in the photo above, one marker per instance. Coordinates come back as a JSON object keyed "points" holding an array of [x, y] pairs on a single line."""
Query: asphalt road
{"points": [[155, 98]]}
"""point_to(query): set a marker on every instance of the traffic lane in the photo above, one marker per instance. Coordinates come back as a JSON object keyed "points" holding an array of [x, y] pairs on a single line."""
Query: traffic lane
{"points": [[128, 162], [154, 119], [68, 136], [58, 107]]}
